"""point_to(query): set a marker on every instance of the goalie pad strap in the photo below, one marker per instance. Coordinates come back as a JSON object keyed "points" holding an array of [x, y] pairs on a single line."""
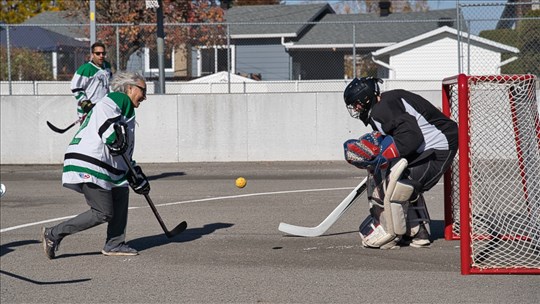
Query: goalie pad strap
{"points": [[418, 214]]}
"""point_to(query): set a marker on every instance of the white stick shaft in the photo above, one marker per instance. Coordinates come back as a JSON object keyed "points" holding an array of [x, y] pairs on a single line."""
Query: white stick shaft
{"points": [[330, 219]]}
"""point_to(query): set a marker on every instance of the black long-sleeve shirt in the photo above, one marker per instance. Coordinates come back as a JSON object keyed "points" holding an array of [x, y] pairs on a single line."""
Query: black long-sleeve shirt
{"points": [[415, 124]]}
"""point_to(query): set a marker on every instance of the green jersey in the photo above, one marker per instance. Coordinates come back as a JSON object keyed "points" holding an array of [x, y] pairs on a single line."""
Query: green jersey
{"points": [[87, 158], [90, 82]]}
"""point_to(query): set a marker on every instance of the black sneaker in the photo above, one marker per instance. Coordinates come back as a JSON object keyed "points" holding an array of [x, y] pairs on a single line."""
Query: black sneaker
{"points": [[122, 249], [421, 239], [50, 245]]}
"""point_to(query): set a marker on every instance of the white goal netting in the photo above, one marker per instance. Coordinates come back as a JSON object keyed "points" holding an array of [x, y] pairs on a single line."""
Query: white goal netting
{"points": [[497, 168]]}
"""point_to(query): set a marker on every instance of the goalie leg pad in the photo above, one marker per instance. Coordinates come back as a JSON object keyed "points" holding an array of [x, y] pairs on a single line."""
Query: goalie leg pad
{"points": [[372, 231], [399, 204], [396, 217]]}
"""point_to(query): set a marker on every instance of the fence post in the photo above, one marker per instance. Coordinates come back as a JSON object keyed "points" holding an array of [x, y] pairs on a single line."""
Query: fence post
{"points": [[458, 19], [228, 60], [117, 48], [354, 50], [8, 54]]}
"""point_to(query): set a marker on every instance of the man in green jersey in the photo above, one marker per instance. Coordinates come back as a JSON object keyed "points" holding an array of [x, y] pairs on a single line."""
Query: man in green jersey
{"points": [[91, 80]]}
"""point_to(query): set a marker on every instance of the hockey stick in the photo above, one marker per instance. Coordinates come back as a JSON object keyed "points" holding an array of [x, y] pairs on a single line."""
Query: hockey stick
{"points": [[330, 219], [178, 229], [58, 130]]}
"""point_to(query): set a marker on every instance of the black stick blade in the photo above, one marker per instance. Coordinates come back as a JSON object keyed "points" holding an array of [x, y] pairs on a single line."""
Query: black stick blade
{"points": [[177, 230], [58, 130]]}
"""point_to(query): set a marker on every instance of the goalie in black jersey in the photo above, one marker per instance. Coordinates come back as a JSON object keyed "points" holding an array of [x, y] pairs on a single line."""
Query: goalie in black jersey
{"points": [[408, 127]]}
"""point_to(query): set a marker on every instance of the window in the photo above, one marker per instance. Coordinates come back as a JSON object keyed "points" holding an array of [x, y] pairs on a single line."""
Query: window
{"points": [[211, 60], [151, 63]]}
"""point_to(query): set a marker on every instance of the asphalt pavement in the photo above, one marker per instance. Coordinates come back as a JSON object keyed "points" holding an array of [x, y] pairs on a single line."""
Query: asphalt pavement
{"points": [[232, 251]]}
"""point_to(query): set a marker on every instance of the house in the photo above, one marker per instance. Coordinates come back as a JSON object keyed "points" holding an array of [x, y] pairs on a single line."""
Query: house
{"points": [[402, 60], [312, 42], [77, 27], [307, 42], [65, 52]]}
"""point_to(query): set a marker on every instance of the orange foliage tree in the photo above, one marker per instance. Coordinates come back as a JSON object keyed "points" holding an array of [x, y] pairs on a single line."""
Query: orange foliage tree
{"points": [[187, 22]]}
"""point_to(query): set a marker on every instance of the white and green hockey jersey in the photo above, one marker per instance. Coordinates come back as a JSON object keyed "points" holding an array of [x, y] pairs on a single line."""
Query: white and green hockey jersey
{"points": [[87, 158], [90, 82]]}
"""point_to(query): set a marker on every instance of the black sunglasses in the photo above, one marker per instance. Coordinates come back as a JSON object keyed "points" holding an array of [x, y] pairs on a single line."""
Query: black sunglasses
{"points": [[100, 53], [142, 89]]}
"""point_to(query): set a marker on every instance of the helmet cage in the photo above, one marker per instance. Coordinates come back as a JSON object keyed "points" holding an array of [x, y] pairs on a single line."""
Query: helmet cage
{"points": [[363, 92]]}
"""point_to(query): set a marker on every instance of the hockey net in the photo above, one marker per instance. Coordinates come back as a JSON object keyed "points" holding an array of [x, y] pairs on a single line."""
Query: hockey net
{"points": [[492, 190]]}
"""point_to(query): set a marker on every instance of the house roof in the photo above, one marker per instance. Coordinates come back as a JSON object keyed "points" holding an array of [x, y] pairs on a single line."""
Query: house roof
{"points": [[58, 21], [442, 32], [293, 18], [372, 30], [221, 77], [40, 39]]}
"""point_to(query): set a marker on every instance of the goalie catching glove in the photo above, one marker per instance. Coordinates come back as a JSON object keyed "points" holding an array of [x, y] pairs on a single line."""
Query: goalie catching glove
{"points": [[138, 181], [120, 144], [371, 151]]}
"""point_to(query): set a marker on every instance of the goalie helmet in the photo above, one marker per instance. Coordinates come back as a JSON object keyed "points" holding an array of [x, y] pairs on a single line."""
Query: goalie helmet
{"points": [[360, 95]]}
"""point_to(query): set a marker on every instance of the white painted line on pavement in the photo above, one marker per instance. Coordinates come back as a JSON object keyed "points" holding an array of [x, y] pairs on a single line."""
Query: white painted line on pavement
{"points": [[183, 202]]}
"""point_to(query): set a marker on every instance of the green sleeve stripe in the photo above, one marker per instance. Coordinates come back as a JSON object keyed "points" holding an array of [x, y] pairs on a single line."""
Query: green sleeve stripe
{"points": [[98, 175]]}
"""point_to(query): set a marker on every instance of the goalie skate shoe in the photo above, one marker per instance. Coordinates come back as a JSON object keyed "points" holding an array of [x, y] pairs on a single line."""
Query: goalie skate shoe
{"points": [[50, 245], [421, 239]]}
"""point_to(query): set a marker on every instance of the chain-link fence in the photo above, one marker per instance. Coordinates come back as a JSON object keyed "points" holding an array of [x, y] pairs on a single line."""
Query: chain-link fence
{"points": [[414, 51], [514, 25]]}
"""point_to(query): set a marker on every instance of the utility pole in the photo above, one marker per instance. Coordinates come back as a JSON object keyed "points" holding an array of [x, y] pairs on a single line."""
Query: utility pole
{"points": [[92, 21], [160, 47]]}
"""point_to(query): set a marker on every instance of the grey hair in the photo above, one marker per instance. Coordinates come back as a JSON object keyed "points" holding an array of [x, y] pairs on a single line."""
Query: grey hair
{"points": [[122, 79]]}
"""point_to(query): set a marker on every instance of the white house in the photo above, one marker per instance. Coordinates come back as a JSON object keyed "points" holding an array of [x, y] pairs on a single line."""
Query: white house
{"points": [[414, 58]]}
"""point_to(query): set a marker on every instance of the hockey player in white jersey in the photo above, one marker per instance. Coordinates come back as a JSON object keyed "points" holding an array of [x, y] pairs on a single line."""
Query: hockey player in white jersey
{"points": [[93, 166], [90, 82], [418, 133]]}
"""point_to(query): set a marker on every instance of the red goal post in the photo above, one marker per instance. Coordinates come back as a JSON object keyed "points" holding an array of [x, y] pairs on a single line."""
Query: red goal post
{"points": [[492, 190]]}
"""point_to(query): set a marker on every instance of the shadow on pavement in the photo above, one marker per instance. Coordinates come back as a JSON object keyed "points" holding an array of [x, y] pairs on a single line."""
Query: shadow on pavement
{"points": [[10, 247], [189, 235]]}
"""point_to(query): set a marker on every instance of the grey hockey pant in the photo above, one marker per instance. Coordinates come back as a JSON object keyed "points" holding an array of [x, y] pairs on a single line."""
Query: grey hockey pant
{"points": [[106, 206]]}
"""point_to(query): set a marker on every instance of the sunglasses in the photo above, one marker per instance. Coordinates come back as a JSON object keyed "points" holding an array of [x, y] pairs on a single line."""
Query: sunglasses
{"points": [[142, 89], [100, 53]]}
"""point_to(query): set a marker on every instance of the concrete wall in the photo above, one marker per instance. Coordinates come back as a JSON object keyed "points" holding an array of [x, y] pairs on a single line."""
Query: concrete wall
{"points": [[195, 128]]}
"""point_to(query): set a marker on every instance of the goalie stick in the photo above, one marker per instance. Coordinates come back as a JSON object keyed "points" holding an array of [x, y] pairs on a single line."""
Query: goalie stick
{"points": [[169, 234], [330, 219], [58, 130]]}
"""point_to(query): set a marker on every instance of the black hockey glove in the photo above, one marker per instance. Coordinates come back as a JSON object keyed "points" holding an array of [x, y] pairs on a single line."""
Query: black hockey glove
{"points": [[86, 106], [138, 182], [120, 145]]}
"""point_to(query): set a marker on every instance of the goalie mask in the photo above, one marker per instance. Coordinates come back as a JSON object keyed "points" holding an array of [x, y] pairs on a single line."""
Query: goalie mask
{"points": [[360, 95]]}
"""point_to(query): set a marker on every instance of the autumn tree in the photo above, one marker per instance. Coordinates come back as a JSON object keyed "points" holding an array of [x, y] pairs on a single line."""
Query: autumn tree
{"points": [[25, 65], [17, 11], [139, 30]]}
